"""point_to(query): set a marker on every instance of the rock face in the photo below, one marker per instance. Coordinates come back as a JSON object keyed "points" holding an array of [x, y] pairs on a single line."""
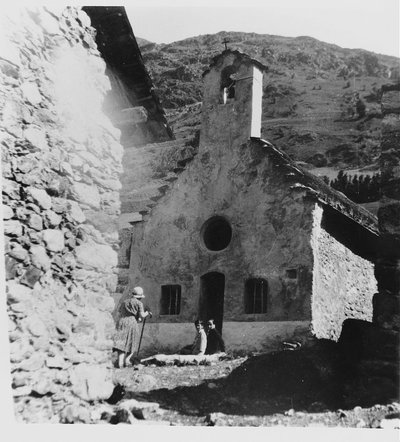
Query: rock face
{"points": [[59, 267]]}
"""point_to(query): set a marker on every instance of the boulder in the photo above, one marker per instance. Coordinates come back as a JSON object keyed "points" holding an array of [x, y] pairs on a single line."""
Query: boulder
{"points": [[66, 168], [86, 194], [122, 416], [34, 207], [20, 350], [23, 307], [41, 343], [11, 267], [21, 213], [102, 411], [35, 222], [20, 378], [10, 188], [98, 256], [54, 239], [31, 92], [57, 362], [21, 391], [36, 137], [51, 218], [73, 414], [39, 257], [72, 355], [18, 252], [40, 197], [8, 212], [50, 24], [75, 212], [216, 419], [27, 164], [84, 18], [36, 326], [12, 228], [35, 362], [17, 292], [91, 382], [31, 276], [141, 410], [57, 184], [43, 387], [60, 205]]}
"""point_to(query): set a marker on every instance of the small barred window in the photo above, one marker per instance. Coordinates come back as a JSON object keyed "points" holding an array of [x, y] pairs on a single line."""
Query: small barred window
{"points": [[255, 296], [170, 299]]}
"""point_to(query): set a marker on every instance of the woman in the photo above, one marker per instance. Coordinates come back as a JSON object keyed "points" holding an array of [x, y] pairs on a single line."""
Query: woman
{"points": [[127, 334]]}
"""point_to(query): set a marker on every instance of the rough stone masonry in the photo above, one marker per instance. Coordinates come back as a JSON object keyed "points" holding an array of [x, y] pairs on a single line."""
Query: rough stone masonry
{"points": [[61, 160]]}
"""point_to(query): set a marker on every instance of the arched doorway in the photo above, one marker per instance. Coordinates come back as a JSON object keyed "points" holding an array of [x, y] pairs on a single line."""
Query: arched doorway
{"points": [[212, 286]]}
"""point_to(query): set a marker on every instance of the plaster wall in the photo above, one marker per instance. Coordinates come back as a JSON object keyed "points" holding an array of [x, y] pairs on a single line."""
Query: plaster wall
{"points": [[343, 283], [257, 103], [271, 231], [238, 336], [271, 225]]}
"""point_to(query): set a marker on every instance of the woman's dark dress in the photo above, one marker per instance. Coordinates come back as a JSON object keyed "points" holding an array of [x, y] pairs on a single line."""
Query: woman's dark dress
{"points": [[127, 334], [215, 343]]}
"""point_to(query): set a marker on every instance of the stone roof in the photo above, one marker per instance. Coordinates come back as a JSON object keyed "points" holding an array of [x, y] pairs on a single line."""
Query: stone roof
{"points": [[118, 46], [244, 58], [318, 189]]}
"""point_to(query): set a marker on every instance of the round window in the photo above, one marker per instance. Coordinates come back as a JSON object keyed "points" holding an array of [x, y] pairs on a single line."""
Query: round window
{"points": [[217, 233]]}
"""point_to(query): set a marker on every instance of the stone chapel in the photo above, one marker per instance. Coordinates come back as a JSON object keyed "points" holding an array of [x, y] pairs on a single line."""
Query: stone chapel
{"points": [[245, 236]]}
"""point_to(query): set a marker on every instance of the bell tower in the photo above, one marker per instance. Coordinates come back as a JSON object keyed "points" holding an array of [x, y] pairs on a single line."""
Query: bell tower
{"points": [[232, 99]]}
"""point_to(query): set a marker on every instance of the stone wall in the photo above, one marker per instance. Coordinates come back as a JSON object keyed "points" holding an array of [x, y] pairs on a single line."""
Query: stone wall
{"points": [[240, 337], [343, 283], [388, 266], [61, 161]]}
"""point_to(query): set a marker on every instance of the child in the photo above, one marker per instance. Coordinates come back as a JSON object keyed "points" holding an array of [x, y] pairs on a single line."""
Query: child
{"points": [[215, 343], [200, 341]]}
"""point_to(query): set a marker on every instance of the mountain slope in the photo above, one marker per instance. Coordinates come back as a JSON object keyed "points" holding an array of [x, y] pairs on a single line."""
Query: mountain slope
{"points": [[321, 102]]}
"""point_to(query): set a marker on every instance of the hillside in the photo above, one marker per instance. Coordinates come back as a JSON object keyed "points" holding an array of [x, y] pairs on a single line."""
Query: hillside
{"points": [[310, 108]]}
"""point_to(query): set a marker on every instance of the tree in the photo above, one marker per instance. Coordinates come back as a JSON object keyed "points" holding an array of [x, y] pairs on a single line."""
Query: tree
{"points": [[359, 188]]}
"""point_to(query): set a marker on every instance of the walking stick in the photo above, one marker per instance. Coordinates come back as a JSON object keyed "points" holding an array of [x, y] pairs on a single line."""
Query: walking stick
{"points": [[141, 336]]}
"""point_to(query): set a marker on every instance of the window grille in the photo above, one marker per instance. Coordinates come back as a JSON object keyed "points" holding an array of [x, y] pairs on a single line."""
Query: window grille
{"points": [[170, 299], [255, 297]]}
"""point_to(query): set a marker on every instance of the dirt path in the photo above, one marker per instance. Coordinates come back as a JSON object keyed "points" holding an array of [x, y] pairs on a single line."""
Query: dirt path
{"points": [[233, 392]]}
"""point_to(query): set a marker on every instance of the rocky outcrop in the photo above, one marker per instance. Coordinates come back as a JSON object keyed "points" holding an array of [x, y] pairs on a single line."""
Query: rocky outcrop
{"points": [[61, 161]]}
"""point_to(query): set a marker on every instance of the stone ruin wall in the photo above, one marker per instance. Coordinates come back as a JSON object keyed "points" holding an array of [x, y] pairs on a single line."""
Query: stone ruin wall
{"points": [[61, 161], [343, 283], [388, 265]]}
